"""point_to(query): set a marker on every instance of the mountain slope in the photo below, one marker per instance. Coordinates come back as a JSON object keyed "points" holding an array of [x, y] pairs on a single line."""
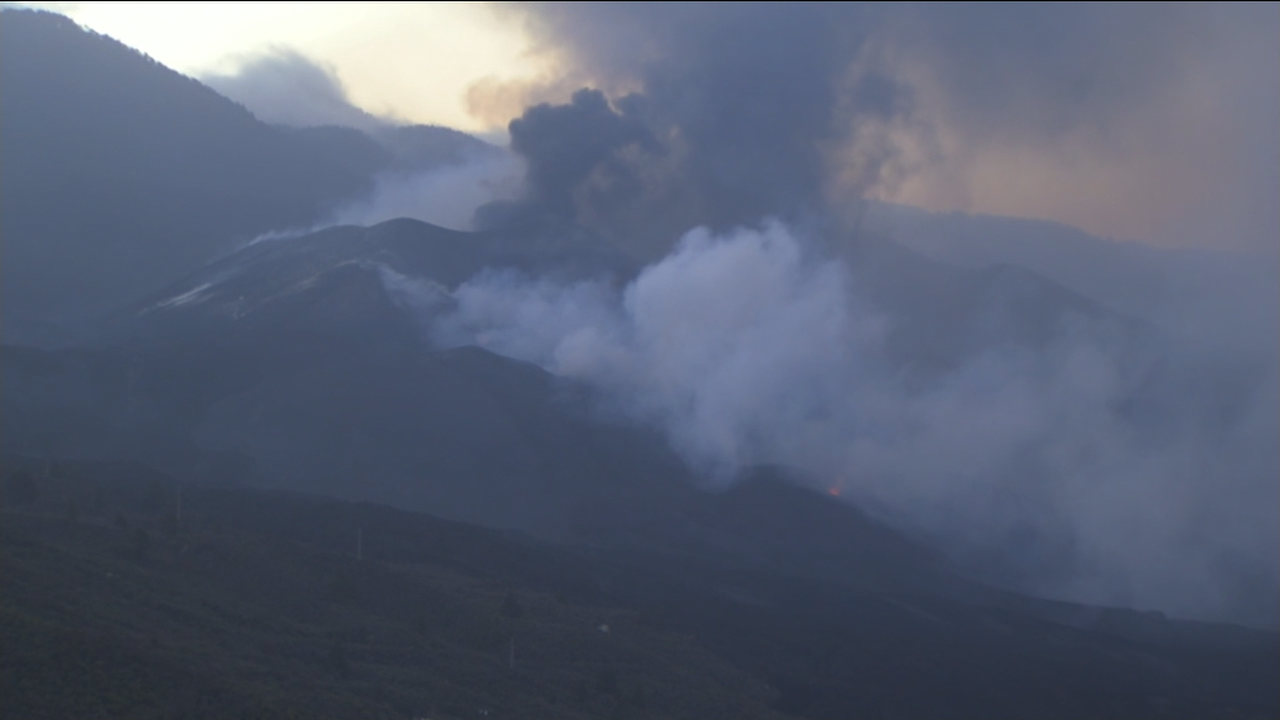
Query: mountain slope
{"points": [[121, 175], [268, 602]]}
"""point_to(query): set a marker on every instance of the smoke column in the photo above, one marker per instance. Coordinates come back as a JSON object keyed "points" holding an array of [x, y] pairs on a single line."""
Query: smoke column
{"points": [[1049, 442], [1095, 466]]}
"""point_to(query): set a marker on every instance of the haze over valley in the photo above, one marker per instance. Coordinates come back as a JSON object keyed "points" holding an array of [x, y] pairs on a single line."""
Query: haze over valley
{"points": [[693, 344]]}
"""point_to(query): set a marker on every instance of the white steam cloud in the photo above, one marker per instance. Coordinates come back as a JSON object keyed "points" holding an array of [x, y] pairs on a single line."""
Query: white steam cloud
{"points": [[1062, 459], [722, 371], [446, 196]]}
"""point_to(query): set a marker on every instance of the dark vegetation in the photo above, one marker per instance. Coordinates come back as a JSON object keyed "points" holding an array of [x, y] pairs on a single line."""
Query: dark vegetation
{"points": [[123, 608], [127, 594]]}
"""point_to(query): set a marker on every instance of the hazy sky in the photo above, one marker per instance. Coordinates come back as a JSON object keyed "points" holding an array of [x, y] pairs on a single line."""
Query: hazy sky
{"points": [[413, 61], [1159, 125]]}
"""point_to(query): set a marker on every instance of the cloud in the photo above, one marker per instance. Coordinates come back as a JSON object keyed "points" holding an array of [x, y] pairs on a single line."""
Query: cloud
{"points": [[283, 87], [715, 343], [447, 196], [731, 119], [1100, 465], [1049, 443], [1149, 123]]}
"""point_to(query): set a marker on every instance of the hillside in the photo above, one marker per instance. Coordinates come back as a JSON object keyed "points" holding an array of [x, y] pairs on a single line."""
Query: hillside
{"points": [[121, 175], [254, 463], [245, 602]]}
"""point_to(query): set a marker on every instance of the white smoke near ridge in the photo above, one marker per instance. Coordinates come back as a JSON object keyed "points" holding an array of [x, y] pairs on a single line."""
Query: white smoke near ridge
{"points": [[446, 196], [744, 350], [719, 370]]}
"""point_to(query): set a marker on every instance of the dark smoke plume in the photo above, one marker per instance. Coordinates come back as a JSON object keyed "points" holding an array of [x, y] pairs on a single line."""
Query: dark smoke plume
{"points": [[788, 110], [1066, 448], [737, 117], [564, 145]]}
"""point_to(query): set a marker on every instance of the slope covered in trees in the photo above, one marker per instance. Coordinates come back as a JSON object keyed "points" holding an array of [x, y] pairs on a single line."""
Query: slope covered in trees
{"points": [[126, 594]]}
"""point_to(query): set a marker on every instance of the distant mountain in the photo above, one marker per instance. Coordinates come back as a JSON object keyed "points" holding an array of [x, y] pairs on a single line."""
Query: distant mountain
{"points": [[301, 363], [1190, 291], [945, 313], [121, 175], [289, 283], [305, 363], [414, 148]]}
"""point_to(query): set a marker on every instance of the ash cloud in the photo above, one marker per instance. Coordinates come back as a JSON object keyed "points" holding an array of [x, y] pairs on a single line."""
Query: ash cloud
{"points": [[733, 120], [565, 144], [1083, 456], [1037, 111]]}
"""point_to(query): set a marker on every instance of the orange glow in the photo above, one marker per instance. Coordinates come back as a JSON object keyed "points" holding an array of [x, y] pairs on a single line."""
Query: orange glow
{"points": [[833, 492]]}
